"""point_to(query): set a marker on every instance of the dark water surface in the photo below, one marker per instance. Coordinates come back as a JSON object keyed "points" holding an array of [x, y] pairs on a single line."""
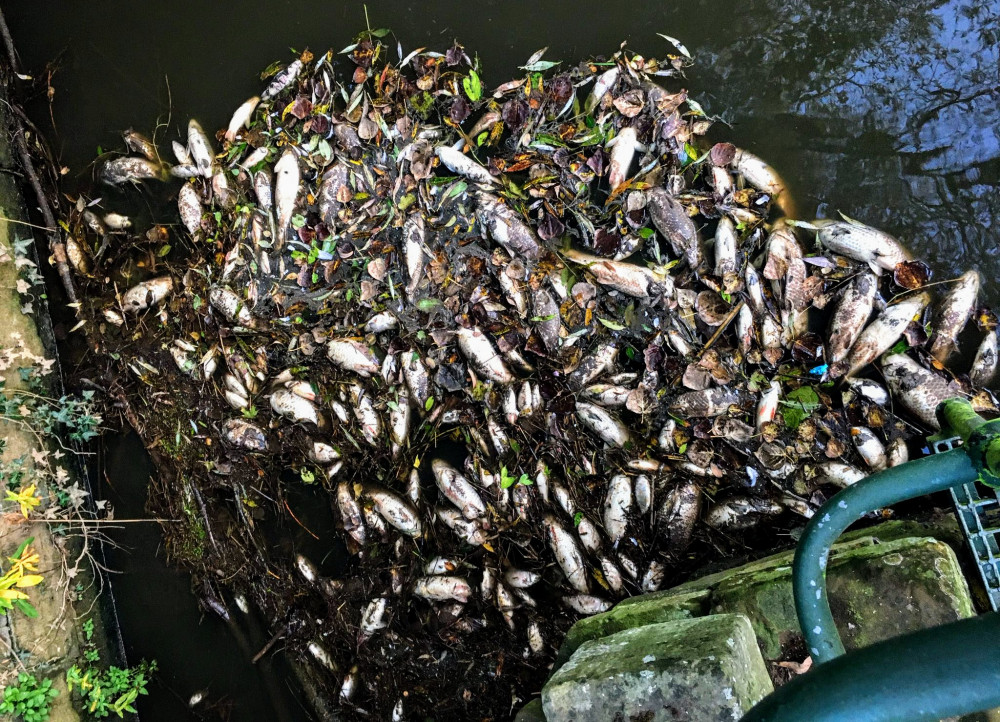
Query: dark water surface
{"points": [[888, 112]]}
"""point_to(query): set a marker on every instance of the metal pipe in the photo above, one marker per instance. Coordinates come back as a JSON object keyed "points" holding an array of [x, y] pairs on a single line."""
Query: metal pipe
{"points": [[899, 483], [944, 671]]}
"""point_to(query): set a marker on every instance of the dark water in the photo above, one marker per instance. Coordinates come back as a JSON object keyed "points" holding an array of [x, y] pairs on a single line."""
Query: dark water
{"points": [[888, 112]]}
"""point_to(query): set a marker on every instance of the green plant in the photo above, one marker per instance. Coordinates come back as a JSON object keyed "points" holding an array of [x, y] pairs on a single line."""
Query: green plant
{"points": [[16, 578], [507, 481], [111, 690], [29, 699]]}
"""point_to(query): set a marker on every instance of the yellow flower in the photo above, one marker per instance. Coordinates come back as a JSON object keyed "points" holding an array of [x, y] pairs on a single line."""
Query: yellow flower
{"points": [[25, 498], [27, 562]]}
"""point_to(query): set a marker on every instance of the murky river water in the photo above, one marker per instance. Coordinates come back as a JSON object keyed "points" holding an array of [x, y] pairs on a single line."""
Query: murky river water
{"points": [[888, 112]]}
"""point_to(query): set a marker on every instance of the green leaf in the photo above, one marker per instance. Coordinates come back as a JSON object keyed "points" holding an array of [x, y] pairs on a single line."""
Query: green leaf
{"points": [[577, 518], [428, 304], [900, 347], [540, 65], [798, 405], [614, 326], [682, 448], [429, 403], [646, 233], [472, 86]]}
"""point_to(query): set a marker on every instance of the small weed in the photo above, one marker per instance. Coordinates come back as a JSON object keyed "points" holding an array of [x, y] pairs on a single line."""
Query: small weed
{"points": [[29, 699]]}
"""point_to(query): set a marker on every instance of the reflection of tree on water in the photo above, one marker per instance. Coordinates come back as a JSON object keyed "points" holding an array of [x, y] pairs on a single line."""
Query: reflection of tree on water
{"points": [[891, 109]]}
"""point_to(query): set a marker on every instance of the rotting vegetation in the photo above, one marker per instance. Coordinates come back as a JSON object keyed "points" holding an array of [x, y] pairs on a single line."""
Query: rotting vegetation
{"points": [[488, 330]]}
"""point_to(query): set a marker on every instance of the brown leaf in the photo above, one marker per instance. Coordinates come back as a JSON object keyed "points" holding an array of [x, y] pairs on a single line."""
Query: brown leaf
{"points": [[630, 104], [722, 153], [302, 107], [911, 274]]}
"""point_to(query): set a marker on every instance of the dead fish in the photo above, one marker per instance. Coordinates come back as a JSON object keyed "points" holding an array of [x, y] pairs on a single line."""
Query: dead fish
{"points": [[741, 512], [850, 316], [457, 489], [630, 279], [201, 149], [609, 429], [706, 403], [951, 314], [227, 302], [185, 172], [984, 365], [764, 178], [336, 181], [726, 243], [604, 83], [744, 327], [617, 504], [399, 423], [586, 604], [306, 568], [294, 407], [184, 362], [597, 362], [77, 256], [521, 578], [282, 80], [373, 618], [567, 553], [117, 222], [861, 243], [623, 147], [653, 578], [181, 153], [365, 413], [352, 356], [350, 514], [414, 233], [612, 574], [442, 588], [323, 657], [897, 452], [607, 395], [643, 493], [480, 352], [837, 473], [417, 378], [262, 189], [506, 227], [869, 448], [917, 389], [590, 537], [457, 162], [546, 318], [146, 294], [241, 118], [395, 510], [349, 685], [322, 453], [673, 222], [286, 189], [441, 565], [131, 169], [870, 390], [767, 407], [880, 335], [468, 531], [139, 143], [678, 515], [536, 643], [244, 435]]}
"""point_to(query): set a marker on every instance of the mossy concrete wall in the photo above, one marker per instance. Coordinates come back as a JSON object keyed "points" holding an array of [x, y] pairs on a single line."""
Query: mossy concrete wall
{"points": [[46, 646]]}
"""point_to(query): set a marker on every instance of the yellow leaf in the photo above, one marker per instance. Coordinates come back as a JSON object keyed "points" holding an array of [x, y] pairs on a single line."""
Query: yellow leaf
{"points": [[12, 594], [30, 580]]}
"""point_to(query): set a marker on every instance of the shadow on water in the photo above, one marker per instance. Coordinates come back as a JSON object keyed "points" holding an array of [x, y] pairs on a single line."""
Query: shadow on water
{"points": [[886, 111], [197, 651]]}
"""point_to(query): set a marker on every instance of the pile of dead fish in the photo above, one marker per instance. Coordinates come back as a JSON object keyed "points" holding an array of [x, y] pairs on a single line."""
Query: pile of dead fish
{"points": [[548, 327]]}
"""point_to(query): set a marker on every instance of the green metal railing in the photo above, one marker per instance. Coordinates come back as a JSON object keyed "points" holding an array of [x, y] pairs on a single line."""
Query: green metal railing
{"points": [[959, 663]]}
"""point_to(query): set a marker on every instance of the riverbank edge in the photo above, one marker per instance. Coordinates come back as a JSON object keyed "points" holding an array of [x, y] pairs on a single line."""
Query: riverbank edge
{"points": [[49, 644]]}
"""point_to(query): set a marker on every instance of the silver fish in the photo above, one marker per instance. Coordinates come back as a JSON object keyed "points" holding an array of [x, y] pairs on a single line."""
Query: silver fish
{"points": [[643, 493], [726, 243], [630, 279], [586, 604], [880, 335], [457, 162], [862, 243], [185, 172], [707, 403], [870, 390], [294, 407], [952, 313], [835, 472], [441, 565], [604, 83], [201, 149], [230, 305], [678, 515], [481, 353], [546, 318], [146, 294], [396, 510], [521, 578], [653, 578], [244, 435], [850, 316], [181, 153], [117, 222], [131, 170], [506, 227], [612, 574], [262, 189], [617, 504], [590, 537], [673, 222], [365, 413], [468, 531], [441, 588], [869, 448], [741, 512], [457, 489], [623, 147], [917, 389], [373, 618], [414, 233], [322, 453], [282, 80], [607, 395], [897, 452], [597, 362], [764, 178], [286, 189], [352, 356], [350, 513], [609, 429], [567, 553], [241, 118], [767, 407], [984, 365]]}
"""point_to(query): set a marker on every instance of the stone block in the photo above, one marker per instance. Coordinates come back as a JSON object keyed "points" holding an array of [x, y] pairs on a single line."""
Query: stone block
{"points": [[705, 669]]}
